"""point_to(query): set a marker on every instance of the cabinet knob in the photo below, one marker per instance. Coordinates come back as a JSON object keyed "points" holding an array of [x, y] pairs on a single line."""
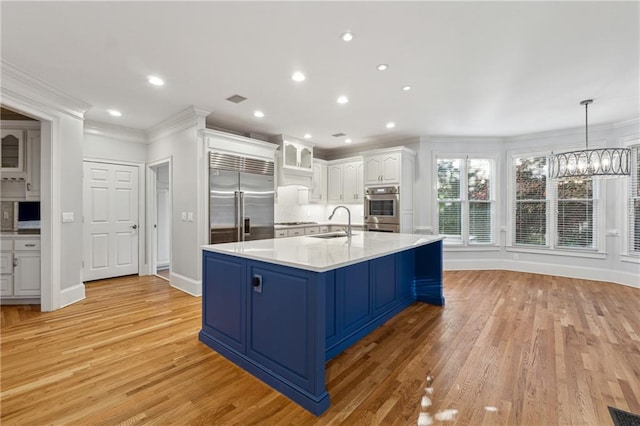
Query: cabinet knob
{"points": [[134, 226], [15, 262]]}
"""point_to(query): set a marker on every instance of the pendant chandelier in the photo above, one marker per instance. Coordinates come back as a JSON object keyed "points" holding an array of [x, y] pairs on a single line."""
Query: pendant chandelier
{"points": [[587, 163]]}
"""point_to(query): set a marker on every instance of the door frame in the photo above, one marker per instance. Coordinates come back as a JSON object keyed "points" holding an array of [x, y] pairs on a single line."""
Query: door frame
{"points": [[142, 264], [152, 243]]}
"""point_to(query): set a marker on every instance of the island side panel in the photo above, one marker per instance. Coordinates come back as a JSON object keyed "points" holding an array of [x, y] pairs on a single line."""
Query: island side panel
{"points": [[428, 273], [284, 324]]}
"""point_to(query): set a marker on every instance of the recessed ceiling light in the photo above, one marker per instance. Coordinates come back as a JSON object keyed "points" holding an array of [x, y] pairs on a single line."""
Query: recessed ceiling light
{"points": [[298, 76], [347, 36], [347, 140], [156, 81], [115, 113], [258, 114], [391, 125], [342, 99], [406, 88], [307, 135], [382, 67]]}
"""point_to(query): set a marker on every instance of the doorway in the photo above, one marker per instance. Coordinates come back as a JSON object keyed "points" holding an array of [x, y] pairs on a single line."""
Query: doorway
{"points": [[160, 177]]}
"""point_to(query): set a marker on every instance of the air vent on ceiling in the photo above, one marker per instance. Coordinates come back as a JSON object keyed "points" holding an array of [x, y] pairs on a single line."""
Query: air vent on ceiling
{"points": [[236, 99], [339, 135]]}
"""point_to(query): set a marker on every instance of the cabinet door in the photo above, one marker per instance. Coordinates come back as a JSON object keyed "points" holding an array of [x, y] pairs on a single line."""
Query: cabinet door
{"points": [[334, 183], [290, 155], [350, 192], [6, 263], [27, 274], [33, 164], [319, 183], [305, 157], [224, 299], [6, 285], [391, 168], [383, 279], [12, 150], [372, 170], [359, 180]]}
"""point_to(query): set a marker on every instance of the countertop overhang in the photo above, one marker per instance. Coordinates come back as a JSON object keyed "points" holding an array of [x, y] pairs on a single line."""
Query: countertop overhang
{"points": [[320, 255]]}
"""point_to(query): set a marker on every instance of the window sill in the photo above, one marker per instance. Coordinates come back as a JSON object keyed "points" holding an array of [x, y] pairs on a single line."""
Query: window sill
{"points": [[474, 247], [630, 258], [558, 252]]}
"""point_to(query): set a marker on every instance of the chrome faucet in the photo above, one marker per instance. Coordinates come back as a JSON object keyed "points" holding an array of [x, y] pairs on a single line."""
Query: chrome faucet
{"points": [[349, 233]]}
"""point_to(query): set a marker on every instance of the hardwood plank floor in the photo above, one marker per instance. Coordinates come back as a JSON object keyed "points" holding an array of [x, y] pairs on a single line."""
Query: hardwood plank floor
{"points": [[541, 350]]}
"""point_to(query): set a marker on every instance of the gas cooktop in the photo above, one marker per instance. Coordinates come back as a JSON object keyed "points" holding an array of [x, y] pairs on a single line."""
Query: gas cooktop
{"points": [[295, 223]]}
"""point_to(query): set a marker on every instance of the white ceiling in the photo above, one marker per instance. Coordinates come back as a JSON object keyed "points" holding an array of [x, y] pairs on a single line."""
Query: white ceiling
{"points": [[476, 68]]}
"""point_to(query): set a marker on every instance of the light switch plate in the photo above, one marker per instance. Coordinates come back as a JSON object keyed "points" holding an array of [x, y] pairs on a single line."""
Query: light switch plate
{"points": [[67, 217], [183, 216], [190, 216]]}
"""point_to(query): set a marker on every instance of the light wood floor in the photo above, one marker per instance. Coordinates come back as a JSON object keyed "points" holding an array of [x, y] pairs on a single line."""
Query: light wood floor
{"points": [[542, 350]]}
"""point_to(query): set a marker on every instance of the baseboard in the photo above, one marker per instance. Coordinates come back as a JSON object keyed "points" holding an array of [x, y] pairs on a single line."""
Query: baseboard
{"points": [[185, 284], [71, 295], [579, 272], [19, 301]]}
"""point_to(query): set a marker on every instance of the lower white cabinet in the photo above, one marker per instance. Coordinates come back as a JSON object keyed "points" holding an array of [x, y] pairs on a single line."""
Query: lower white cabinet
{"points": [[20, 268]]}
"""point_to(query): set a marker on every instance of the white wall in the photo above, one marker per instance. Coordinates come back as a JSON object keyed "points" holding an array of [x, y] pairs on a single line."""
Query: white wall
{"points": [[116, 144], [177, 138]]}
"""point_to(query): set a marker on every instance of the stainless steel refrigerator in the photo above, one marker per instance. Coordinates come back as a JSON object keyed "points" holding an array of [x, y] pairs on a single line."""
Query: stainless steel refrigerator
{"points": [[241, 198]]}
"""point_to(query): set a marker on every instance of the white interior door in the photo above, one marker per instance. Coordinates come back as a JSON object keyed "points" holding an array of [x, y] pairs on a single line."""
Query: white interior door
{"points": [[110, 220]]}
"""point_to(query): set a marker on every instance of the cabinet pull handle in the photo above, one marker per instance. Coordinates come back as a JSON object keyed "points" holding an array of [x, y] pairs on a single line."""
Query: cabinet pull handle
{"points": [[30, 245], [28, 186], [15, 262]]}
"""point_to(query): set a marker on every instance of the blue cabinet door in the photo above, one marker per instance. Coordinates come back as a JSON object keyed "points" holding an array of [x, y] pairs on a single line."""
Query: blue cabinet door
{"points": [[352, 283], [224, 299], [384, 283]]}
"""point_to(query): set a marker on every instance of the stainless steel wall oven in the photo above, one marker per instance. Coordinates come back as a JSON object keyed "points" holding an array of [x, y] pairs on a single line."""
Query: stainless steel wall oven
{"points": [[382, 209]]}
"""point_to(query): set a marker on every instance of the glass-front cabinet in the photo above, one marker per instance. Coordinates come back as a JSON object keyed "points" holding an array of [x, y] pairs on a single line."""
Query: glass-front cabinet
{"points": [[297, 155], [12, 151]]}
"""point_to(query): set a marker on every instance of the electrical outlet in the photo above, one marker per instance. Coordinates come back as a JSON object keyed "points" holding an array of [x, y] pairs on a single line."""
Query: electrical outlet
{"points": [[67, 217], [184, 216]]}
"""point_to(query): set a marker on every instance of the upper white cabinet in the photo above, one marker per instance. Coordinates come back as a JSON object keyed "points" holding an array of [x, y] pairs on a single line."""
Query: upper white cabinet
{"points": [[382, 168], [388, 166], [318, 192], [12, 151], [295, 163], [33, 165], [345, 181]]}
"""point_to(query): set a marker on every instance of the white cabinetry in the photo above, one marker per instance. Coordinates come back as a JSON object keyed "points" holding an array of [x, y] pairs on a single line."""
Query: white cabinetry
{"points": [[295, 161], [20, 269], [319, 182], [33, 165], [345, 181], [12, 151], [382, 168]]}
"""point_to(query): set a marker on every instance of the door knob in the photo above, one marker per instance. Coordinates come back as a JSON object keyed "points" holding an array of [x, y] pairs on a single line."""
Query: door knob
{"points": [[134, 226]]}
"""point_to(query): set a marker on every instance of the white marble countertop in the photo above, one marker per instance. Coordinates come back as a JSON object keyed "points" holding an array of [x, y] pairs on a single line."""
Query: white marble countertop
{"points": [[321, 255]]}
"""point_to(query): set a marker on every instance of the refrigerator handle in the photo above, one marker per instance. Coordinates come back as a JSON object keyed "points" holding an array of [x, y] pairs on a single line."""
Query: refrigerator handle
{"points": [[236, 195], [245, 225]]}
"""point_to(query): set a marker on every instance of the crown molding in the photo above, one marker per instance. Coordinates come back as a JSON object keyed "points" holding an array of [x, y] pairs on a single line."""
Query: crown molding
{"points": [[20, 124], [631, 122], [115, 132], [29, 89], [575, 131], [178, 122]]}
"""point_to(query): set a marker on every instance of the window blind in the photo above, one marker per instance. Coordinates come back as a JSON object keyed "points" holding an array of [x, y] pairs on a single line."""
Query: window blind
{"points": [[465, 200], [530, 206], [576, 214], [633, 225]]}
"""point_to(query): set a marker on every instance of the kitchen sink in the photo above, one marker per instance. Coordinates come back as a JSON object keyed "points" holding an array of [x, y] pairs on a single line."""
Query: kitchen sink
{"points": [[332, 235]]}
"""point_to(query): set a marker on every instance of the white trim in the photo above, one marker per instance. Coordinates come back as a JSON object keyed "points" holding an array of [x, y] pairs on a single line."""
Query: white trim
{"points": [[115, 132], [392, 150], [627, 142], [626, 123], [19, 301], [151, 213], [183, 120], [558, 251], [185, 284], [630, 259], [20, 84], [579, 272], [551, 134], [21, 124], [451, 247], [71, 295]]}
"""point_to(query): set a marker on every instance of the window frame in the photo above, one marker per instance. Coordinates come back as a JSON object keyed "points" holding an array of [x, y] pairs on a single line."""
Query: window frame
{"points": [[551, 199], [626, 255], [464, 243]]}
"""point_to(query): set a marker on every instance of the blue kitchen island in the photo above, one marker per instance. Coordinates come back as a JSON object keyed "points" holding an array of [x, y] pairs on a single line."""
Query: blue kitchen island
{"points": [[281, 308]]}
